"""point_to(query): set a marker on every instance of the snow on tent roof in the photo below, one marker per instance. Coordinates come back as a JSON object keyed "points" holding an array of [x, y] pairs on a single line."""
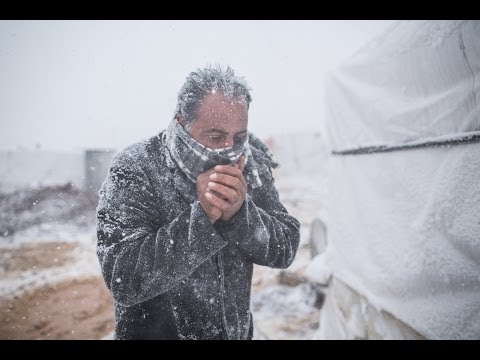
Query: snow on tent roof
{"points": [[418, 81]]}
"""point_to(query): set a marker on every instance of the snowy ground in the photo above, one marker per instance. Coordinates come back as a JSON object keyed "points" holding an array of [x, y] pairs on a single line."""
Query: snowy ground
{"points": [[51, 285], [289, 311]]}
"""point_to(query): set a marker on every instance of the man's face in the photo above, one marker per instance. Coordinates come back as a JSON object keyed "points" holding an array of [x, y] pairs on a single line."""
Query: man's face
{"points": [[220, 122]]}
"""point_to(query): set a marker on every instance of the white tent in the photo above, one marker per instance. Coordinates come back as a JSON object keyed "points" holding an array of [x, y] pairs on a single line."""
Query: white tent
{"points": [[404, 208]]}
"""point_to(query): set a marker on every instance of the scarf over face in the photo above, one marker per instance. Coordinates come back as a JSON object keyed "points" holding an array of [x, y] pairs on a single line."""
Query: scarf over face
{"points": [[194, 158]]}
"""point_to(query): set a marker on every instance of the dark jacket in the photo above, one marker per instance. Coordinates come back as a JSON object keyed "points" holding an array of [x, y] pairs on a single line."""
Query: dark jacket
{"points": [[172, 274]]}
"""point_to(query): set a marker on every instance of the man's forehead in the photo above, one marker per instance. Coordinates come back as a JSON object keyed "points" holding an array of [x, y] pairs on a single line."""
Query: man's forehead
{"points": [[219, 99], [220, 114]]}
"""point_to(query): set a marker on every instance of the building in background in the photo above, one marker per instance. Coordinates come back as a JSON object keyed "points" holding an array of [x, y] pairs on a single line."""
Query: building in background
{"points": [[30, 169]]}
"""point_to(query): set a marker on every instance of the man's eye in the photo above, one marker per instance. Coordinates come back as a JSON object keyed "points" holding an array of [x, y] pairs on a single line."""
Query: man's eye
{"points": [[215, 137]]}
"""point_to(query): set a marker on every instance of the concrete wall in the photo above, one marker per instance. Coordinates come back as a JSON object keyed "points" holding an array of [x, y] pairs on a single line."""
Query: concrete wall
{"points": [[20, 169]]}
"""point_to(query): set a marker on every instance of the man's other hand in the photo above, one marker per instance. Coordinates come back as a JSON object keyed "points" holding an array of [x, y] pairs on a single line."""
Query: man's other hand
{"points": [[227, 188], [213, 212]]}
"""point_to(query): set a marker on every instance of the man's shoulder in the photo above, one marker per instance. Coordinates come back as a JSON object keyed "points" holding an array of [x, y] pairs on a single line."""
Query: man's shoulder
{"points": [[140, 155]]}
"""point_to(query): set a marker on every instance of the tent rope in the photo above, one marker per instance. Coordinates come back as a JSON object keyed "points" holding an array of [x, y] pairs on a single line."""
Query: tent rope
{"points": [[466, 139]]}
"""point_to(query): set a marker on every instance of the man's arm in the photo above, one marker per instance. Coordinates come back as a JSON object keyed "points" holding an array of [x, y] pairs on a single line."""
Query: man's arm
{"points": [[139, 260], [262, 228]]}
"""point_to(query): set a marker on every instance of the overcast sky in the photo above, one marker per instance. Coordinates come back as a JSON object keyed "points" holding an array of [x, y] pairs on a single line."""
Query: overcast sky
{"points": [[72, 85]]}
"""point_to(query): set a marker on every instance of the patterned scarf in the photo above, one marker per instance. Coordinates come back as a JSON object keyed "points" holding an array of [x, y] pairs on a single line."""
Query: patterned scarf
{"points": [[194, 158]]}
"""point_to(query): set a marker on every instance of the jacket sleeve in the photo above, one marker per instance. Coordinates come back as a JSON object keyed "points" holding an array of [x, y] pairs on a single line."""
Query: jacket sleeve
{"points": [[139, 258], [263, 230]]}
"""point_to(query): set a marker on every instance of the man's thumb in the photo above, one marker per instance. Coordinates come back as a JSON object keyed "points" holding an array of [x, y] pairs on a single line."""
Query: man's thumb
{"points": [[241, 163]]}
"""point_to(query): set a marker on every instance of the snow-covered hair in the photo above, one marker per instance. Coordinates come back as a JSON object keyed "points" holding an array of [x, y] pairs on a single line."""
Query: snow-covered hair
{"points": [[206, 81]]}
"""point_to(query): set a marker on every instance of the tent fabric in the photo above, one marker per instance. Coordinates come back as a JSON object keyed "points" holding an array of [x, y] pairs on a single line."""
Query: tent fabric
{"points": [[404, 226], [419, 80]]}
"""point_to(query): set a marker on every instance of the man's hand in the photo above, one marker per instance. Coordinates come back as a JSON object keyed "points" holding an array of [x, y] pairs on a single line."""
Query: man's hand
{"points": [[227, 188], [213, 212]]}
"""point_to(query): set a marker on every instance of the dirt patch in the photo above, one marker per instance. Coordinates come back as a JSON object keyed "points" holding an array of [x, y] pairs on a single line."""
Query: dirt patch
{"points": [[36, 257], [74, 309]]}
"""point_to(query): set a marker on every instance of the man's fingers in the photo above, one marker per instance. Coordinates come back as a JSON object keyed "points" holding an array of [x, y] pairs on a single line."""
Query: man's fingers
{"points": [[229, 170], [228, 180], [221, 196], [241, 163], [224, 191], [216, 201]]}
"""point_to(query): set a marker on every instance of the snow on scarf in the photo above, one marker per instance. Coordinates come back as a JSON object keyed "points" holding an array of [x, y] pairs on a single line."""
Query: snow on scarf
{"points": [[194, 158]]}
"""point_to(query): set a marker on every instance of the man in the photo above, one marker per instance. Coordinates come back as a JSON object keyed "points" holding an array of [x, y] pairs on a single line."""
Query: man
{"points": [[183, 217]]}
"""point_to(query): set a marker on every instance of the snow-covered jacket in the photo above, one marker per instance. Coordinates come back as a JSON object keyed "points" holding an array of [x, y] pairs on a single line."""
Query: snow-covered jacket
{"points": [[173, 274]]}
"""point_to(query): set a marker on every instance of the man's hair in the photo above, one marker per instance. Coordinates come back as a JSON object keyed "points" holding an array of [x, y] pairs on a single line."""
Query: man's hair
{"points": [[209, 80]]}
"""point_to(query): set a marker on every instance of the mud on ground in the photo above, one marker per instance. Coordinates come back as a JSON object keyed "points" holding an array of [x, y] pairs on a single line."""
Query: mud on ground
{"points": [[73, 309]]}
